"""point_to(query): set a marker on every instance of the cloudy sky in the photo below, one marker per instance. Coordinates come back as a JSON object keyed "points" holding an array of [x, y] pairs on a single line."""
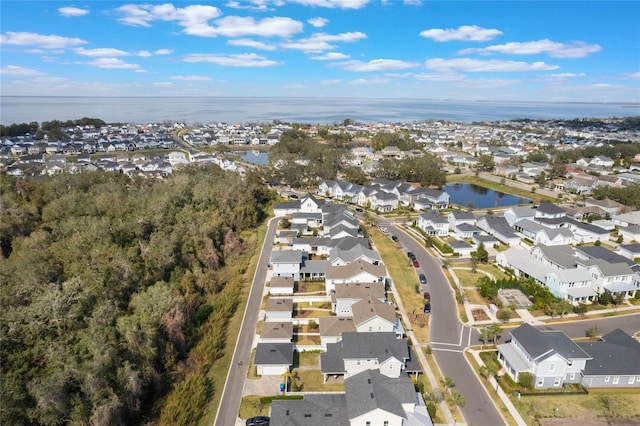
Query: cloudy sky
{"points": [[505, 50]]}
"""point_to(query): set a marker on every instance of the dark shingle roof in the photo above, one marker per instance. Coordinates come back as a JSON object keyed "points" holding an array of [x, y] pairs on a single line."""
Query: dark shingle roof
{"points": [[542, 344], [616, 354], [274, 354], [369, 390], [313, 410]]}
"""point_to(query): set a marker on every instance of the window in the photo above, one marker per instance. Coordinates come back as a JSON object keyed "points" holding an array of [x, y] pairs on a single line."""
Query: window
{"points": [[557, 381], [540, 382], [616, 379], [572, 376], [632, 380], [607, 378], [385, 423], [552, 366], [368, 423]]}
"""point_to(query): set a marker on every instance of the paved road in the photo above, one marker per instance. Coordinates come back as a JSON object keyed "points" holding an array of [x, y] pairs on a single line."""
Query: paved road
{"points": [[232, 391], [448, 338]]}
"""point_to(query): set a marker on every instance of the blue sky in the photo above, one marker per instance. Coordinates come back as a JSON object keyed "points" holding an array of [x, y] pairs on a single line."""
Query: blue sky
{"points": [[584, 51]]}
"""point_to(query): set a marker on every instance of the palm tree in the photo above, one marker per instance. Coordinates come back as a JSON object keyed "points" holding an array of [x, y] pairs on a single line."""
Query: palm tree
{"points": [[447, 383], [287, 376], [456, 399], [494, 331]]}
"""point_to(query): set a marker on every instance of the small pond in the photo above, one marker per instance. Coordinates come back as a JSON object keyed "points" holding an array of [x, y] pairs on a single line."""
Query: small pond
{"points": [[260, 158], [470, 195]]}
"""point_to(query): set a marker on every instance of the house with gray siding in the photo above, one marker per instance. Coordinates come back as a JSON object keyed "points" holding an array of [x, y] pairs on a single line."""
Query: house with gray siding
{"points": [[615, 361]]}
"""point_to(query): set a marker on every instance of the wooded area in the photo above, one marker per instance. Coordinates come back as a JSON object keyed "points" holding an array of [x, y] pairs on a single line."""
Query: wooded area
{"points": [[116, 292]]}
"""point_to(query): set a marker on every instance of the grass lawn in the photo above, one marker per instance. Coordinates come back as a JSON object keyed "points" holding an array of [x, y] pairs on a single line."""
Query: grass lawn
{"points": [[473, 296], [306, 340], [492, 392], [218, 371], [308, 359], [626, 404], [404, 279], [251, 406], [311, 287], [313, 381], [310, 313]]}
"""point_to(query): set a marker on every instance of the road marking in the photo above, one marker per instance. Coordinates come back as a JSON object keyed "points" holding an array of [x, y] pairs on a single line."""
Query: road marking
{"points": [[447, 350], [448, 344]]}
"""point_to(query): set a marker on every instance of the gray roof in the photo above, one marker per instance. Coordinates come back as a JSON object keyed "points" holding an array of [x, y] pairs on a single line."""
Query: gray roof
{"points": [[288, 256], [434, 217], [616, 354], [313, 410], [279, 282], [274, 354], [560, 255], [315, 267], [594, 252], [335, 326], [369, 390], [354, 345], [500, 225], [542, 344], [279, 304], [459, 244], [550, 208], [467, 227], [276, 330], [569, 220], [463, 215]]}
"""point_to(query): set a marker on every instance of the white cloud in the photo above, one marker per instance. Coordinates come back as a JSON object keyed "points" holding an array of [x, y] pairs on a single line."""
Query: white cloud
{"points": [[16, 70], [240, 60], [251, 43], [294, 86], [163, 84], [575, 49], [148, 54], [337, 4], [253, 5], [40, 40], [412, 2], [236, 26], [101, 52], [191, 77], [477, 65], [69, 12], [446, 76], [112, 63], [372, 80], [331, 56], [632, 75], [330, 82], [194, 18], [560, 77], [320, 42], [376, 65], [463, 33], [318, 22]]}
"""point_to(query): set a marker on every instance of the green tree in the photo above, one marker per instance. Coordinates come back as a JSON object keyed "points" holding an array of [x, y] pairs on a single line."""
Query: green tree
{"points": [[456, 400]]}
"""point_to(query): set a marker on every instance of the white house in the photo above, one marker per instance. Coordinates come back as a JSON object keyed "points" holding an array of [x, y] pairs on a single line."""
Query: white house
{"points": [[433, 223]]}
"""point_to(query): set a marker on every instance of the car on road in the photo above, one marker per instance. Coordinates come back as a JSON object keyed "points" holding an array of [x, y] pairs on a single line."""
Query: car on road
{"points": [[427, 295], [423, 278], [394, 238], [359, 210], [258, 421], [427, 307], [410, 255], [415, 264]]}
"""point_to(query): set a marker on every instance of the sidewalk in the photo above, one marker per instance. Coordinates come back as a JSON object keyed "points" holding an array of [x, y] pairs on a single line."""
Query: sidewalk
{"points": [[503, 396]]}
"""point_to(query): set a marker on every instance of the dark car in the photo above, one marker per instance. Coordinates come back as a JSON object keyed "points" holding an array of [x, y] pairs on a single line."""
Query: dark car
{"points": [[258, 421], [427, 295], [410, 255], [423, 278], [394, 238], [415, 264], [359, 210], [427, 307]]}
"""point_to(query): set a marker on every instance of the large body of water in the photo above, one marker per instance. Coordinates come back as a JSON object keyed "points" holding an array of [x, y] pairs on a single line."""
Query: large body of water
{"points": [[470, 195], [190, 110]]}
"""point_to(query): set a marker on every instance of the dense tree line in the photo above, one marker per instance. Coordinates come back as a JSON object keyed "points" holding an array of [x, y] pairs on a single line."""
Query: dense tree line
{"points": [[623, 152], [51, 128], [114, 290], [425, 169], [627, 195]]}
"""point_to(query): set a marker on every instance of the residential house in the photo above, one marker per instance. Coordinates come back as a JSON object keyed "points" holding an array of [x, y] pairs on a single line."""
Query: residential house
{"points": [[278, 309], [331, 328], [615, 361], [287, 263], [374, 316], [433, 223], [516, 214], [609, 206], [459, 217], [345, 295], [276, 332], [461, 247], [626, 219], [273, 359], [312, 410], [550, 356], [359, 271], [498, 227], [350, 249], [281, 285], [630, 251], [357, 352]]}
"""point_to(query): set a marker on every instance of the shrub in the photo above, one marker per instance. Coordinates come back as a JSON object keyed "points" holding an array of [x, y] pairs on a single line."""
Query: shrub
{"points": [[431, 409], [525, 380]]}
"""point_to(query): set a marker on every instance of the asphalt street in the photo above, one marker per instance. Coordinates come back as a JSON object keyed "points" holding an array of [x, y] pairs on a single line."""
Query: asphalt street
{"points": [[448, 338], [232, 391]]}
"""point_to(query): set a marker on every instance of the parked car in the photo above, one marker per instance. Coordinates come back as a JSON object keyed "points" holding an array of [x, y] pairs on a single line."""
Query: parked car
{"points": [[415, 264], [423, 278], [394, 238], [427, 295], [359, 210], [258, 421], [410, 255], [427, 307]]}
